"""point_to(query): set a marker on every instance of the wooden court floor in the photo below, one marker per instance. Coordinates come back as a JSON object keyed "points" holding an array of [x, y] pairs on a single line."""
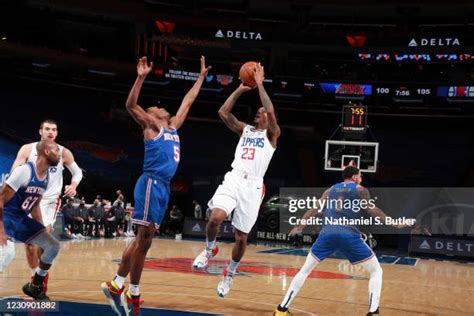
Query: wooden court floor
{"points": [[427, 288]]}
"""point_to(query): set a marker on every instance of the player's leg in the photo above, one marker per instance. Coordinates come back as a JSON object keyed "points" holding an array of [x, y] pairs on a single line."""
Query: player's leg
{"points": [[50, 249], [238, 252], [297, 284], [321, 249], [358, 252], [222, 204], [212, 228], [250, 194], [375, 284]]}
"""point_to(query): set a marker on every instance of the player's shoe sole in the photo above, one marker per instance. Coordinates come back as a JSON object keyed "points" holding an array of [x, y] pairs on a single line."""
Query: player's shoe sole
{"points": [[115, 299]]}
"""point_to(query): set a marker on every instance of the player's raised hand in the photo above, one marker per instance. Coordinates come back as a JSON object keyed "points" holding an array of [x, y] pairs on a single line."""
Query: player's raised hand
{"points": [[244, 88], [204, 69], [143, 68], [259, 73]]}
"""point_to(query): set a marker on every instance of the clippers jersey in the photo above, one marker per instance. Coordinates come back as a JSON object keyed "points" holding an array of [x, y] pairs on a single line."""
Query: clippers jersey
{"points": [[26, 196], [346, 194], [55, 173], [162, 155], [253, 152]]}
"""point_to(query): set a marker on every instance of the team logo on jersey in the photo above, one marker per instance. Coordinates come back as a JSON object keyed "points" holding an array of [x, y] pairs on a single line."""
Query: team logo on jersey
{"points": [[253, 142], [246, 268], [53, 169]]}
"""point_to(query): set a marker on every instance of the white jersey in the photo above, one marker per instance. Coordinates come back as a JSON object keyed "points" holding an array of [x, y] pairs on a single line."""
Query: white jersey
{"points": [[55, 185], [253, 152]]}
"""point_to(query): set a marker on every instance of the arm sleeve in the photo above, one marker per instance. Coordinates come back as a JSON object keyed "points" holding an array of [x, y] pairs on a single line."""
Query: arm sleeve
{"points": [[20, 177], [76, 172]]}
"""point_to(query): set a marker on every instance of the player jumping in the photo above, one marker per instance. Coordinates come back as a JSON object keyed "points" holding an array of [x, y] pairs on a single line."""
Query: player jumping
{"points": [[152, 190], [242, 188]]}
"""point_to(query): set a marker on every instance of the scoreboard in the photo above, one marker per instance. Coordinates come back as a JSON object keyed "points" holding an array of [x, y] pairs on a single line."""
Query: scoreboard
{"points": [[405, 91]]}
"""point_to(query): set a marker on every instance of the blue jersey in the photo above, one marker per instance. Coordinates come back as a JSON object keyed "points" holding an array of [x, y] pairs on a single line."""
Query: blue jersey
{"points": [[162, 155], [27, 195], [342, 204]]}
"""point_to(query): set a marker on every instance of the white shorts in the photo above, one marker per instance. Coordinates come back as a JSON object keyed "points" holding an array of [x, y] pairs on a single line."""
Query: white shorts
{"points": [[49, 210], [244, 194]]}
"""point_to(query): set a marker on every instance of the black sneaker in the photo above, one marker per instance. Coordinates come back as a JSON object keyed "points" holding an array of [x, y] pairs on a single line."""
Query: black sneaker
{"points": [[36, 292], [373, 313]]}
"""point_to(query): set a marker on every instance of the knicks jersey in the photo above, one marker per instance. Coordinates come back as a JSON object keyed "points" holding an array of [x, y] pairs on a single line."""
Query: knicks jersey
{"points": [[253, 152], [340, 201], [162, 155], [55, 174], [26, 196]]}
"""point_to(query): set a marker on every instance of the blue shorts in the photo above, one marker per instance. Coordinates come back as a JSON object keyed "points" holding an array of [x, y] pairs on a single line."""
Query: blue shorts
{"points": [[350, 244], [151, 199], [20, 227]]}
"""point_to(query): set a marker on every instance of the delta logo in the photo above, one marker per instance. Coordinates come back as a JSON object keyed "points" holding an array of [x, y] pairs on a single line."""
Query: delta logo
{"points": [[232, 34], [246, 268]]}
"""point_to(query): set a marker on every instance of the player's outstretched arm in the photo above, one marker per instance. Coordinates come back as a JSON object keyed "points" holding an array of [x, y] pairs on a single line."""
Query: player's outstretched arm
{"points": [[22, 156], [188, 100], [76, 172], [373, 210], [273, 128], [136, 111], [225, 112]]}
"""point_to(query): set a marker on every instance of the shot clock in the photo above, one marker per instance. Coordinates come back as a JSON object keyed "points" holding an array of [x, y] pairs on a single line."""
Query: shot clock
{"points": [[354, 118]]}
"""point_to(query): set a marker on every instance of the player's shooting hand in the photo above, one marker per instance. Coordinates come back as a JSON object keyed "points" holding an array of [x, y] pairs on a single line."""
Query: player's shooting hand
{"points": [[243, 88], [259, 74], [3, 236], [70, 190], [204, 69], [143, 68]]}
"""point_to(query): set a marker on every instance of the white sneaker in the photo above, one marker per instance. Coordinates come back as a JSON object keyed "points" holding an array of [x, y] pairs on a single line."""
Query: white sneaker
{"points": [[223, 288], [202, 259]]}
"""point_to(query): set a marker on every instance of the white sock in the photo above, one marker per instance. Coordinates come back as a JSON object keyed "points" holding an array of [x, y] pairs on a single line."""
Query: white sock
{"points": [[375, 283], [33, 271], [210, 245], [134, 289], [41, 272], [232, 267], [298, 280], [119, 281]]}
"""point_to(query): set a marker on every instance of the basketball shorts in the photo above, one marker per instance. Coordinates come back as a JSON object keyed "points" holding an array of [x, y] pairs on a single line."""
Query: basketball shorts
{"points": [[350, 245], [49, 210], [151, 199], [21, 227], [242, 195]]}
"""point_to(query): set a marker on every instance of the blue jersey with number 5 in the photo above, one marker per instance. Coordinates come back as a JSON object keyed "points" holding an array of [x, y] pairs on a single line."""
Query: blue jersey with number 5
{"points": [[26, 197], [162, 155]]}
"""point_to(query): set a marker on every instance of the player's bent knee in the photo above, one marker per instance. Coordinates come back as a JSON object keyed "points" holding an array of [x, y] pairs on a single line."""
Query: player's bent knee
{"points": [[50, 252], [240, 237]]}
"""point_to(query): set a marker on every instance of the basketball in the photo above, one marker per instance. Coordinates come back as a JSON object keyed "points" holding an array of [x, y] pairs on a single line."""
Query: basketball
{"points": [[247, 72]]}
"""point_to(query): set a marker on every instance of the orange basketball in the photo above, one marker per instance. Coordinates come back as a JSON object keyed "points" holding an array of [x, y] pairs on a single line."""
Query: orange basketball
{"points": [[247, 74]]}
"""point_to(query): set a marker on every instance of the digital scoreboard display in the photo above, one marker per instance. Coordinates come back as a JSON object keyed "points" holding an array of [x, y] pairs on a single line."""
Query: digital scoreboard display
{"points": [[405, 91], [354, 118]]}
